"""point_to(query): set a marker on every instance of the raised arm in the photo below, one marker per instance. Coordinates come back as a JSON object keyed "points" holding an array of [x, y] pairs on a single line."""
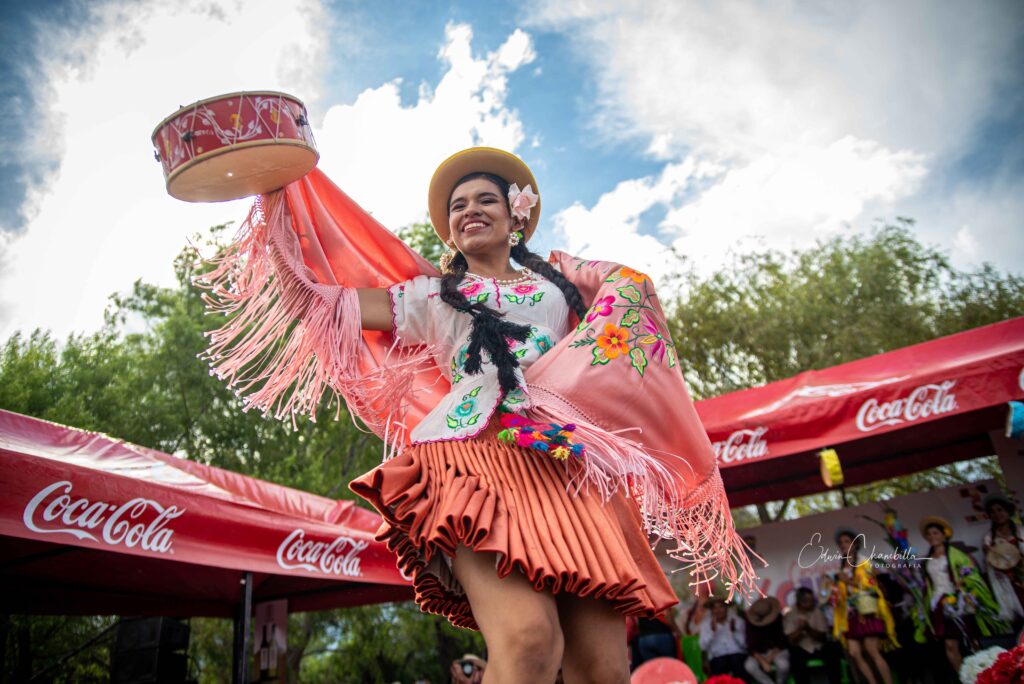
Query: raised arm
{"points": [[375, 309]]}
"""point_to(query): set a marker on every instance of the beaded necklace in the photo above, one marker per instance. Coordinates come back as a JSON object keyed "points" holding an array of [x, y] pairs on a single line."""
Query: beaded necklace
{"points": [[526, 275]]}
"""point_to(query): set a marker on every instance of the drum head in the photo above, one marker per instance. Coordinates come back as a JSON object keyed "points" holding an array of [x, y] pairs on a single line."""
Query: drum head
{"points": [[1003, 556], [242, 170]]}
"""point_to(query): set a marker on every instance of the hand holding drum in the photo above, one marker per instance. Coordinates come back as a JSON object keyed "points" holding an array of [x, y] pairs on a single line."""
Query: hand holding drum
{"points": [[235, 145]]}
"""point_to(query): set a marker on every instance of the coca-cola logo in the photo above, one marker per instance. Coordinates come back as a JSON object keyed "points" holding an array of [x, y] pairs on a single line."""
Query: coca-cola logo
{"points": [[924, 402], [338, 557], [742, 445], [139, 522]]}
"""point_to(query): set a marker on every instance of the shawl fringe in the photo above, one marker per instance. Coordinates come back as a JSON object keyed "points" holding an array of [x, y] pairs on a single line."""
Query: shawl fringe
{"points": [[290, 339], [695, 517]]}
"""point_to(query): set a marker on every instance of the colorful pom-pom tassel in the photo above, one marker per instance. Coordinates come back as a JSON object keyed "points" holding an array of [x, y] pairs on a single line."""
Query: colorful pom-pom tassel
{"points": [[554, 440]]}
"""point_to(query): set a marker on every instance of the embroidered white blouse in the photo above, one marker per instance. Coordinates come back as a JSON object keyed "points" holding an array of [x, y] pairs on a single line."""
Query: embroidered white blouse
{"points": [[421, 317]]}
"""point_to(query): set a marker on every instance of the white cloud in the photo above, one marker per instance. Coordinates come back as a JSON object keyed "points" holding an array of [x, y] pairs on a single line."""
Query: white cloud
{"points": [[791, 197], [383, 153], [819, 114], [610, 228], [965, 242], [103, 219]]}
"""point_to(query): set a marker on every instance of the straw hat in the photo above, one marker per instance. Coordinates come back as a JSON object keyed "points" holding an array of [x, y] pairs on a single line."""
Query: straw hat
{"points": [[474, 160], [930, 520], [999, 499], [764, 611]]}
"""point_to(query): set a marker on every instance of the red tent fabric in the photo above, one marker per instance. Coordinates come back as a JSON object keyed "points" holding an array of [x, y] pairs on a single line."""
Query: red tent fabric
{"points": [[886, 415], [95, 525]]}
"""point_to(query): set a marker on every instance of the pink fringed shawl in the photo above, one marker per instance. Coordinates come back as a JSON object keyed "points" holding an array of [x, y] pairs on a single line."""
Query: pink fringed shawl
{"points": [[294, 334]]}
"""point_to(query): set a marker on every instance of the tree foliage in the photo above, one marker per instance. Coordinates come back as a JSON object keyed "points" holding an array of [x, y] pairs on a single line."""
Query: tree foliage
{"points": [[771, 315], [422, 238]]}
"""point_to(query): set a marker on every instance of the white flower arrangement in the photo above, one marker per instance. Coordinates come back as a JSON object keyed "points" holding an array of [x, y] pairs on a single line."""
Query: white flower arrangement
{"points": [[977, 663]]}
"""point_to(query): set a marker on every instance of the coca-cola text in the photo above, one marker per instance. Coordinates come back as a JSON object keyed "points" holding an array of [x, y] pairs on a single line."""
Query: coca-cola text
{"points": [[742, 445], [338, 557], [924, 402], [124, 524]]}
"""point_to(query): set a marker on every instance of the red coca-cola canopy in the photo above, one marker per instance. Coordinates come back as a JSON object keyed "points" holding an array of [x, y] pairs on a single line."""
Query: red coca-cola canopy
{"points": [[891, 414], [93, 525]]}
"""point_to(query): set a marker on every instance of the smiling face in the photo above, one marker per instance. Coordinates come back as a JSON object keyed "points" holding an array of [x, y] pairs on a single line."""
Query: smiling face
{"points": [[934, 535], [479, 219], [998, 513]]}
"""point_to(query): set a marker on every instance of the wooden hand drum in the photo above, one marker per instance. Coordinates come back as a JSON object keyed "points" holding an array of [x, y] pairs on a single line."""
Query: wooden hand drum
{"points": [[235, 145]]}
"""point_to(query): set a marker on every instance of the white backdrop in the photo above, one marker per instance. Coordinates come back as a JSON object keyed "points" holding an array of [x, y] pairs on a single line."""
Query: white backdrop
{"points": [[800, 552]]}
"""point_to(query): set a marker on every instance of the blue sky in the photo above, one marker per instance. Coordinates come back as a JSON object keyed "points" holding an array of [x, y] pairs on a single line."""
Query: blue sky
{"points": [[709, 127]]}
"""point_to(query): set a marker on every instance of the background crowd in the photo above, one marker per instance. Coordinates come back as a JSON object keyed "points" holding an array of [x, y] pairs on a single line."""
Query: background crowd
{"points": [[917, 619]]}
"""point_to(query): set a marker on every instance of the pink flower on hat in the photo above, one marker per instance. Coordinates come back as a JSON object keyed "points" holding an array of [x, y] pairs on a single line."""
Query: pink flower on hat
{"points": [[521, 201]]}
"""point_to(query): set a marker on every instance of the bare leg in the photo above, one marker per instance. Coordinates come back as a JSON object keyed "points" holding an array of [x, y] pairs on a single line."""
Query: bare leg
{"points": [[595, 641], [953, 654], [875, 654], [857, 656], [519, 624]]}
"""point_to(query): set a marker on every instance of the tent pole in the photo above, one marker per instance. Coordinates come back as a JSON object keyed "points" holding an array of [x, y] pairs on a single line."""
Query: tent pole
{"points": [[241, 641]]}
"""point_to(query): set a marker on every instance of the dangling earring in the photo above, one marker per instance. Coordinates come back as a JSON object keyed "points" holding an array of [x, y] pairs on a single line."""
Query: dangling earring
{"points": [[448, 257], [514, 238]]}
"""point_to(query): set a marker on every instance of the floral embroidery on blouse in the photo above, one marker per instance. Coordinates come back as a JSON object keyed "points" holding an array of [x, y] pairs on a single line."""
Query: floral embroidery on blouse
{"points": [[420, 317], [465, 414], [513, 400], [524, 293], [474, 292], [635, 336]]}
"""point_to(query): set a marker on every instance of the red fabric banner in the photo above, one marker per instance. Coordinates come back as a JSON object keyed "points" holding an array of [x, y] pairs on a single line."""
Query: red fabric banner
{"points": [[901, 389], [71, 487]]}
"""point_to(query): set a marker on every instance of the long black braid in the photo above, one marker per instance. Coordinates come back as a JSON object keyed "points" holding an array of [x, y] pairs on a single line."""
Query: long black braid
{"points": [[539, 265], [490, 331]]}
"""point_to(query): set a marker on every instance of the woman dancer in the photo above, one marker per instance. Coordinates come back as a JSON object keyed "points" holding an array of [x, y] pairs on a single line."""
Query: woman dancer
{"points": [[516, 496], [1008, 582], [962, 605], [863, 621]]}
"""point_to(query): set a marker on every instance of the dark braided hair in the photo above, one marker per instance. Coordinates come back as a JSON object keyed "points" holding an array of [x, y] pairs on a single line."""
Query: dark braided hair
{"points": [[538, 264], [490, 331]]}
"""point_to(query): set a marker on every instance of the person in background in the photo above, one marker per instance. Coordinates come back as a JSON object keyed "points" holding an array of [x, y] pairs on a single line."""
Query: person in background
{"points": [[807, 632], [766, 642], [862, 618], [656, 637], [1004, 550], [723, 639], [962, 605], [689, 619], [469, 669]]}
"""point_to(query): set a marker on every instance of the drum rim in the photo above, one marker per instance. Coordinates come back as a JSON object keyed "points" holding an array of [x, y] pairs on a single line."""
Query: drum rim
{"points": [[238, 146], [238, 93], [1009, 545]]}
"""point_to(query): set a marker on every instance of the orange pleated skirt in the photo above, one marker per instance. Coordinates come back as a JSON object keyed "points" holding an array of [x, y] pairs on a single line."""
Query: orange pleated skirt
{"points": [[493, 497]]}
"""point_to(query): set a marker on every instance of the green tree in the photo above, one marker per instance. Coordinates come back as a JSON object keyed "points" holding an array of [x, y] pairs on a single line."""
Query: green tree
{"points": [[422, 238], [770, 315]]}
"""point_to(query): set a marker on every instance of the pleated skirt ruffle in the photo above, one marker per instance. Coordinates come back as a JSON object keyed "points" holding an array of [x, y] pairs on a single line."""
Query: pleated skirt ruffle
{"points": [[492, 497]]}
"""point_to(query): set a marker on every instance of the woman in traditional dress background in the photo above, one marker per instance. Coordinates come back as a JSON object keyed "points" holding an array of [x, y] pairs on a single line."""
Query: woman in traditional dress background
{"points": [[963, 609], [862, 618], [537, 424], [1007, 582]]}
